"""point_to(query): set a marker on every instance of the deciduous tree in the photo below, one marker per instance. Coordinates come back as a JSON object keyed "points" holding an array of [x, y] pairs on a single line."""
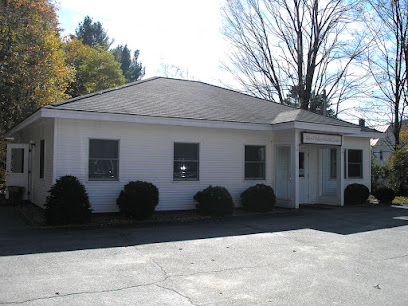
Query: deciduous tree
{"points": [[387, 60], [32, 67], [278, 44], [96, 68]]}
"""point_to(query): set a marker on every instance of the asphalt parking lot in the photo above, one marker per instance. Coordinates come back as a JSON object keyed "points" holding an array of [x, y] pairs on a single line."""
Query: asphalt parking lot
{"points": [[341, 256]]}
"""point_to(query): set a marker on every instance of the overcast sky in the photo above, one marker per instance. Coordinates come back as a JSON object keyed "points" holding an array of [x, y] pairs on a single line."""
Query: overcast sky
{"points": [[184, 33]]}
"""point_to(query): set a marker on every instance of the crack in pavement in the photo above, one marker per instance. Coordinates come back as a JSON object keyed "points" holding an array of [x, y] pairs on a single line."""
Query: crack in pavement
{"points": [[82, 292], [156, 283], [401, 256], [178, 293]]}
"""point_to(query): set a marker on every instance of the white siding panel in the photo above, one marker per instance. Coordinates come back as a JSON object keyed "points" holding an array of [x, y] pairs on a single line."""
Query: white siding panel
{"points": [[34, 134], [146, 153], [359, 143]]}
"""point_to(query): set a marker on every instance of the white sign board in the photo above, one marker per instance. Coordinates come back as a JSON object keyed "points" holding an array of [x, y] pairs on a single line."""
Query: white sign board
{"points": [[322, 139]]}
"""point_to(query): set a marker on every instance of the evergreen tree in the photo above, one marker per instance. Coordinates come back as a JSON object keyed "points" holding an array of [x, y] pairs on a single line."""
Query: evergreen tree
{"points": [[131, 68], [92, 33], [315, 104]]}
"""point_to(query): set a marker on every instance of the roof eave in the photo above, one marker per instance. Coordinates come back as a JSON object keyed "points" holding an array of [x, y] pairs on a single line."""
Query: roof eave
{"points": [[29, 120], [316, 127]]}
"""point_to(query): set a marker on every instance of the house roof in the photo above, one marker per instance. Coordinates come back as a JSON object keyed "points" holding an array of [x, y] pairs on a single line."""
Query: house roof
{"points": [[175, 98], [381, 128]]}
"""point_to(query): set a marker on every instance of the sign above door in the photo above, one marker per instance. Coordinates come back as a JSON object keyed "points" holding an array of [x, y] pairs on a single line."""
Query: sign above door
{"points": [[321, 139]]}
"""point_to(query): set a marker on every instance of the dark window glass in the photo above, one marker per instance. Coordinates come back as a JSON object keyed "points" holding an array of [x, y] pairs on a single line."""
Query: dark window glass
{"points": [[42, 156], [333, 163], [355, 164], [99, 148], [17, 160], [103, 159], [255, 162], [186, 161], [301, 164]]}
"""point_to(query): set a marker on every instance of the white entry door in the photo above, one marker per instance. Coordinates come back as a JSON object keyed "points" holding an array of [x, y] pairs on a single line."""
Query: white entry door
{"points": [[17, 167], [303, 176], [282, 173]]}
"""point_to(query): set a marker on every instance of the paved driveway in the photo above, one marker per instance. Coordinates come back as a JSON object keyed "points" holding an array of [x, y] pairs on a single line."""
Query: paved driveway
{"points": [[342, 256]]}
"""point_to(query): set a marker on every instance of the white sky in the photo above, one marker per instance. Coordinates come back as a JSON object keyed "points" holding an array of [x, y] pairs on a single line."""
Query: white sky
{"points": [[184, 33]]}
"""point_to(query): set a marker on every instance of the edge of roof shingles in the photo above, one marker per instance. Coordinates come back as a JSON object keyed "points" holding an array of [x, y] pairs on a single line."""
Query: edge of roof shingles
{"points": [[102, 92]]}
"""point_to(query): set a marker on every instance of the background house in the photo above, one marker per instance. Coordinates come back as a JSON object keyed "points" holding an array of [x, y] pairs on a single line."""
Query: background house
{"points": [[382, 148]]}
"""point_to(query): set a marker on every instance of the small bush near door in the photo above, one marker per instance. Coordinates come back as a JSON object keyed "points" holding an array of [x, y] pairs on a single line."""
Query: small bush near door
{"points": [[214, 201], [355, 194], [384, 195], [258, 198], [138, 199], [67, 202]]}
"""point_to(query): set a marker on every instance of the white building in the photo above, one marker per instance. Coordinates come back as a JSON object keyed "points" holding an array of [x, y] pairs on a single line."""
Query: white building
{"points": [[382, 148], [183, 136]]}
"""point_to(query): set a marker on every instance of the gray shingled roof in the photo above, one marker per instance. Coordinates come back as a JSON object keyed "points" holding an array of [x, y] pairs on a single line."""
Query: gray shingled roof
{"points": [[173, 98]]}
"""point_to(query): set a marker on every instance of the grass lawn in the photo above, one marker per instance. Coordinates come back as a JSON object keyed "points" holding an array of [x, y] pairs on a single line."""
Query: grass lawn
{"points": [[397, 200], [400, 200]]}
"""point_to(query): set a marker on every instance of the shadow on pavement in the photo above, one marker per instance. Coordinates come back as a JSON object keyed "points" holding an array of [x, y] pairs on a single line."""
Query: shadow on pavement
{"points": [[16, 238]]}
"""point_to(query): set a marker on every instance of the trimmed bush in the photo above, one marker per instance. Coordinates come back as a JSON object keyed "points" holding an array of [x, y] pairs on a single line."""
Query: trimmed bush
{"points": [[355, 194], [214, 201], [384, 195], [138, 199], [258, 198], [67, 202]]}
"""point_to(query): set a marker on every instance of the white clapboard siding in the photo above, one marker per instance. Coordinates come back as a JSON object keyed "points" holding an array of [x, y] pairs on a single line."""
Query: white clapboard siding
{"points": [[146, 153], [42, 130], [360, 143]]}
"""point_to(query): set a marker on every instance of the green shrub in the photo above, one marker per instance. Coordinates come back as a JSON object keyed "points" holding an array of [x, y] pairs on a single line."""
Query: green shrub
{"points": [[67, 202], [384, 195], [214, 201], [355, 194], [258, 198], [138, 199]]}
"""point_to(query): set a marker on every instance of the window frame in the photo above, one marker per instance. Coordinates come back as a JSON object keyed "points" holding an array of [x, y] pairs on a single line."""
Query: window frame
{"points": [[333, 164], [301, 164], [255, 162], [347, 164], [197, 160], [116, 179], [41, 162]]}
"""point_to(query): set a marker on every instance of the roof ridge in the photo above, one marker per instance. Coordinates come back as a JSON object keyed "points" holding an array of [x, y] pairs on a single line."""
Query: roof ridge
{"points": [[103, 91]]}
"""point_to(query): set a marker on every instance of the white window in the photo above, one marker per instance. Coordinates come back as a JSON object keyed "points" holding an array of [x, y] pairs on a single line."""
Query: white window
{"points": [[254, 162], [353, 163], [103, 160], [186, 162]]}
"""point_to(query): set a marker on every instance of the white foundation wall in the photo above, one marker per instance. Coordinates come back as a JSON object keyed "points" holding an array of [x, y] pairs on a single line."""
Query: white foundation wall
{"points": [[146, 153], [360, 143], [43, 130]]}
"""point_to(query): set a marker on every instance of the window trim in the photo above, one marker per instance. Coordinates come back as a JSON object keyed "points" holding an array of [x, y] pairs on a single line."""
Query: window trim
{"points": [[195, 179], [331, 176], [118, 159], [41, 162], [346, 164], [255, 162], [301, 175]]}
